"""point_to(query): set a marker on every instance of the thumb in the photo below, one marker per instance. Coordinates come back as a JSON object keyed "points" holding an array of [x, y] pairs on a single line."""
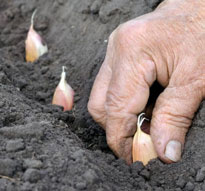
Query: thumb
{"points": [[171, 118]]}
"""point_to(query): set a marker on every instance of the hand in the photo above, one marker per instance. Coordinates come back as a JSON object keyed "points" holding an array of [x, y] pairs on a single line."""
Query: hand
{"points": [[167, 45]]}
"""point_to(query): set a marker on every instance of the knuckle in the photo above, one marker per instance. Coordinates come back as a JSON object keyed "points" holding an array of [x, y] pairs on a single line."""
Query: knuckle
{"points": [[131, 35], [124, 32], [171, 113], [131, 31], [172, 120]]}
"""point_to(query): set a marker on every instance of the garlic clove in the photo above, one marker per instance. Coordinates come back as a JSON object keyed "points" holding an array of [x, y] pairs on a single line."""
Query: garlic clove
{"points": [[35, 46], [143, 148], [64, 94]]}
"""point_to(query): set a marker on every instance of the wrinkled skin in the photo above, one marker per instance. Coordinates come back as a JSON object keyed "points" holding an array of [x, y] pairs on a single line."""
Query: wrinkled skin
{"points": [[167, 45]]}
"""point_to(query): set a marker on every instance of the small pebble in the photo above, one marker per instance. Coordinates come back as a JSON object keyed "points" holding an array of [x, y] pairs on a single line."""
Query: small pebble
{"points": [[189, 186], [26, 186], [200, 175], [15, 145], [192, 172], [3, 78], [181, 182], [78, 154], [95, 7], [54, 179], [81, 185], [7, 167], [32, 175], [145, 173], [30, 163], [21, 83], [44, 69], [29, 148], [9, 14], [91, 177]]}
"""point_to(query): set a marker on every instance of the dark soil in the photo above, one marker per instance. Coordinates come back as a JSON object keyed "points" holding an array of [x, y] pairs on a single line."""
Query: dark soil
{"points": [[45, 149]]}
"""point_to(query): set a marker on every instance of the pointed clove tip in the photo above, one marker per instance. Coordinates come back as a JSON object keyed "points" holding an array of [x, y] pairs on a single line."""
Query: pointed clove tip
{"points": [[32, 17], [64, 68], [63, 74]]}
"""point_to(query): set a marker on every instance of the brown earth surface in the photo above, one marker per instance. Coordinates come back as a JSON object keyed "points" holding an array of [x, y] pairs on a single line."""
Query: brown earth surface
{"points": [[43, 148]]}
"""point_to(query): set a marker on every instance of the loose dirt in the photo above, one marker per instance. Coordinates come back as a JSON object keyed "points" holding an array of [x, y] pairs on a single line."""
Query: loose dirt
{"points": [[43, 148]]}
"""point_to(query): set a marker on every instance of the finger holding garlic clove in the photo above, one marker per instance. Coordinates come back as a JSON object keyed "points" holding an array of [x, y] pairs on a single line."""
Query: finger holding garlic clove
{"points": [[64, 94], [143, 149], [35, 46]]}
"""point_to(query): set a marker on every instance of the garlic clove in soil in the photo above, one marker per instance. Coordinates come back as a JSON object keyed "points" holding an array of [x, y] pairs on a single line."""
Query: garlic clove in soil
{"points": [[35, 46], [142, 149], [64, 94]]}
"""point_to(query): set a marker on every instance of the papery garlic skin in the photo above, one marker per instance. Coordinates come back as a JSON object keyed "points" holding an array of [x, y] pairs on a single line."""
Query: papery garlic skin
{"points": [[64, 94], [35, 47], [143, 148]]}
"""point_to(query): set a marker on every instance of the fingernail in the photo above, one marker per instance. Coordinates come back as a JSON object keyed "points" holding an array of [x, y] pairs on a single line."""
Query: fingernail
{"points": [[173, 150]]}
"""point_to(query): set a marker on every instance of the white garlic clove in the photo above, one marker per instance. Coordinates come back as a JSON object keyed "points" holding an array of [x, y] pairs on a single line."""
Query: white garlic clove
{"points": [[64, 94], [143, 149], [35, 47]]}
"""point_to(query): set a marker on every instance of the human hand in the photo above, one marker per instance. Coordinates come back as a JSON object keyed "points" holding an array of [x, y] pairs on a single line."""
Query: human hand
{"points": [[167, 45]]}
